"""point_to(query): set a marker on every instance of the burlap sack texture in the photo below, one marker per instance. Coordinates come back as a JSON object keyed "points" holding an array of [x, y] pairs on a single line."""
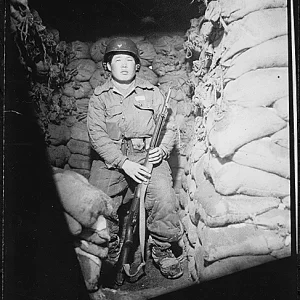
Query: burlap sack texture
{"points": [[235, 186]]}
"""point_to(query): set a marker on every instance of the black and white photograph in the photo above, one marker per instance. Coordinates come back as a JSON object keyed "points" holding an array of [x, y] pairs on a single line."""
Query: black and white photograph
{"points": [[150, 149]]}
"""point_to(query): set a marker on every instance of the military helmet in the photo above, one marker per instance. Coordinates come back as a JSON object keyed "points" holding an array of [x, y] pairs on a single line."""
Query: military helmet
{"points": [[123, 45]]}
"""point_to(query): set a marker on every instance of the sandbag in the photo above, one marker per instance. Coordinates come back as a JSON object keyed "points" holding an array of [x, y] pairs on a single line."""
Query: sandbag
{"points": [[179, 83], [232, 10], [82, 105], [232, 265], [183, 198], [99, 77], [79, 132], [79, 147], [90, 267], [147, 74], [58, 156], [84, 172], [192, 208], [270, 54], [179, 120], [97, 49], [184, 182], [58, 134], [185, 108], [177, 93], [95, 237], [191, 186], [78, 89], [84, 67], [281, 107], [73, 225], [275, 219], [282, 137], [265, 155], [146, 52], [238, 240], [286, 201], [80, 50], [67, 104], [178, 78], [79, 161], [98, 233], [163, 64], [254, 29], [230, 178], [216, 210], [190, 229], [167, 44], [261, 87], [80, 199], [198, 171], [239, 126]]}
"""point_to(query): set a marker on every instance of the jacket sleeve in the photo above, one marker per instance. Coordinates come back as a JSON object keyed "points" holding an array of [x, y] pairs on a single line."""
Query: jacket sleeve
{"points": [[168, 132], [99, 138]]}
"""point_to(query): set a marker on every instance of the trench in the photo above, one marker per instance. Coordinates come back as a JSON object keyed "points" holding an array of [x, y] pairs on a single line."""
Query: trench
{"points": [[231, 105]]}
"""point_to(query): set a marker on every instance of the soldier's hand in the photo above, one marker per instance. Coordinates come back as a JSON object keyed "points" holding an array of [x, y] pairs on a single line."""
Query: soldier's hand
{"points": [[156, 155], [137, 172]]}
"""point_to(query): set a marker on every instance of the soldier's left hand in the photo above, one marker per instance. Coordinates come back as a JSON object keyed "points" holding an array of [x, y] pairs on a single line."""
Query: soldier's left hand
{"points": [[156, 155]]}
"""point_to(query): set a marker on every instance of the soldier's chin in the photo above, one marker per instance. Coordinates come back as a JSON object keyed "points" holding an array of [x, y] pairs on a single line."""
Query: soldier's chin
{"points": [[124, 79]]}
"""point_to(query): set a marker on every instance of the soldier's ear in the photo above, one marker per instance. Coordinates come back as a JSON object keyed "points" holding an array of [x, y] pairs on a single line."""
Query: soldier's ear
{"points": [[137, 67], [108, 66]]}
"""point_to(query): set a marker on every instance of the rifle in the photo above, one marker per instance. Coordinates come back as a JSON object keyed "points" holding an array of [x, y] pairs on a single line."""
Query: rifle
{"points": [[137, 210]]}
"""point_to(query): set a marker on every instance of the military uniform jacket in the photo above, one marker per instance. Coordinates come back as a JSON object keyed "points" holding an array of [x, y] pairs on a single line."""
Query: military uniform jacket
{"points": [[111, 117]]}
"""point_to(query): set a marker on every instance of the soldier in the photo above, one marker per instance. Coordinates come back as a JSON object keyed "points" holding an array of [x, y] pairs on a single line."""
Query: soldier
{"points": [[121, 120]]}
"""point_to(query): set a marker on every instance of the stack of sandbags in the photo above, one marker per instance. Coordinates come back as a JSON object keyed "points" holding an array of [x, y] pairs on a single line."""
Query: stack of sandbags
{"points": [[86, 209], [79, 146], [58, 152], [70, 147], [79, 87], [236, 186], [170, 66]]}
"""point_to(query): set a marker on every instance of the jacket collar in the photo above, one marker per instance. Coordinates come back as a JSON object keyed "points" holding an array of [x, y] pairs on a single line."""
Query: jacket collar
{"points": [[108, 85]]}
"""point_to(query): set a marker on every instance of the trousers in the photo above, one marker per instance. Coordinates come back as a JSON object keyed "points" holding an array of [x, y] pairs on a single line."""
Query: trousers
{"points": [[161, 204]]}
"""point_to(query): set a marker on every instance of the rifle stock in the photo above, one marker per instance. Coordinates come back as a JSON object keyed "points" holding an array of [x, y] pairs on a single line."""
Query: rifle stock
{"points": [[139, 195]]}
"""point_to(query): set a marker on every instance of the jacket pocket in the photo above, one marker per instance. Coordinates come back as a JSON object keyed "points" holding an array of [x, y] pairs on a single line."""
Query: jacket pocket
{"points": [[143, 121], [144, 105], [113, 115]]}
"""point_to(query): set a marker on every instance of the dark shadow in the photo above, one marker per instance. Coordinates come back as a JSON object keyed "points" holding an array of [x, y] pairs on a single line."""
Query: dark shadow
{"points": [[272, 281], [39, 258]]}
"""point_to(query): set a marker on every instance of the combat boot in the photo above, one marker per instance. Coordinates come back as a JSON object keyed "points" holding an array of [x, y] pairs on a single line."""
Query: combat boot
{"points": [[169, 266]]}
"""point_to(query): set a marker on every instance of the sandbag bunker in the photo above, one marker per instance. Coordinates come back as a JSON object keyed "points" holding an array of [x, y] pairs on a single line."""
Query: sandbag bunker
{"points": [[231, 164], [236, 188]]}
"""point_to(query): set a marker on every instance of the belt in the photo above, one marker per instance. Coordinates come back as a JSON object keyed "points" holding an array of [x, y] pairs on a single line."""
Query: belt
{"points": [[135, 145]]}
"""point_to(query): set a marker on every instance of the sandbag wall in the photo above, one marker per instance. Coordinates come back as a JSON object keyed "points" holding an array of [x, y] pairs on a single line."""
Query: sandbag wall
{"points": [[236, 185], [162, 63]]}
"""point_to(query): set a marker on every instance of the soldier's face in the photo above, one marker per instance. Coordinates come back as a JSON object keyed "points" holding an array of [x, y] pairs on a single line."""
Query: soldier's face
{"points": [[122, 67]]}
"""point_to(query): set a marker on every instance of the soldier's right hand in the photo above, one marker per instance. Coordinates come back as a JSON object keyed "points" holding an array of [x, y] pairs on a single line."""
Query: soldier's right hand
{"points": [[137, 172]]}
